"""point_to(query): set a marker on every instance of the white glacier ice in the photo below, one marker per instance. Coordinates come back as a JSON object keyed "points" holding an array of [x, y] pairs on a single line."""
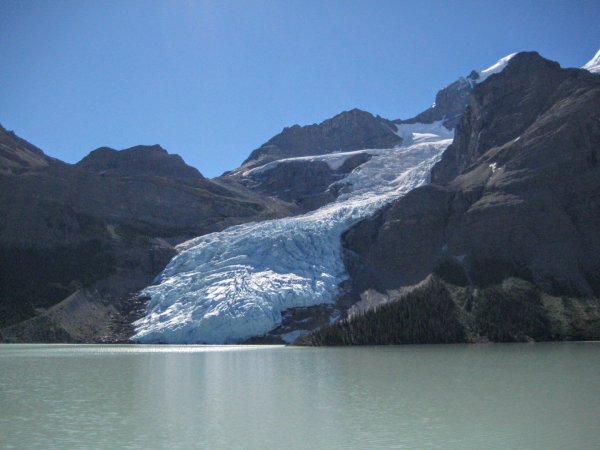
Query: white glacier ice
{"points": [[228, 286]]}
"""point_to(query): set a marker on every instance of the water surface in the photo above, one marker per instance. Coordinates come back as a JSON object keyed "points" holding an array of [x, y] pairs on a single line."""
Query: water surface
{"points": [[525, 396]]}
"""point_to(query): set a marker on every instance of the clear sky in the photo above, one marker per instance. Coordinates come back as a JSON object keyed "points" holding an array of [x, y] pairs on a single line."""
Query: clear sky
{"points": [[212, 80]]}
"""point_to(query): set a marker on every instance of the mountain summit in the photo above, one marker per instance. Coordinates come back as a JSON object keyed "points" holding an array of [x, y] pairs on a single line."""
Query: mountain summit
{"points": [[349, 130], [451, 101]]}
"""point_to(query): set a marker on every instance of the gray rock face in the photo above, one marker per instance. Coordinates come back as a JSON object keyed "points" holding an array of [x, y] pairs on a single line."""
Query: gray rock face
{"points": [[517, 194], [349, 130], [503, 110], [140, 160], [88, 235], [305, 184]]}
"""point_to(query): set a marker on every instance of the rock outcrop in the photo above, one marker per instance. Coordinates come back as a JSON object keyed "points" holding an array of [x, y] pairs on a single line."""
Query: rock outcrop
{"points": [[135, 161], [18, 156], [304, 183], [516, 195]]}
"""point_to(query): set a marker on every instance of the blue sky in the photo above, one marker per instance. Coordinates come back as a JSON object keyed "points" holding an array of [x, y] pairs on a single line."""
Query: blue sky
{"points": [[212, 80]]}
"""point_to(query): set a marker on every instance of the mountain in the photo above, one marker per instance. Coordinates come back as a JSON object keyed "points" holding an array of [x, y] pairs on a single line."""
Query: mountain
{"points": [[349, 130], [285, 168], [451, 101], [356, 230], [288, 166], [77, 240], [513, 212]]}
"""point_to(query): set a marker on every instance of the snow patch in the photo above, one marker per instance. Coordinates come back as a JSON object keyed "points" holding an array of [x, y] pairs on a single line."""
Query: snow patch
{"points": [[495, 68], [593, 65], [333, 160], [229, 286], [415, 133]]}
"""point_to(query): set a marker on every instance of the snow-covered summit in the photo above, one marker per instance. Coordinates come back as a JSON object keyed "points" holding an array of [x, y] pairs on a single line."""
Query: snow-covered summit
{"points": [[494, 68], [451, 101], [593, 65], [235, 284]]}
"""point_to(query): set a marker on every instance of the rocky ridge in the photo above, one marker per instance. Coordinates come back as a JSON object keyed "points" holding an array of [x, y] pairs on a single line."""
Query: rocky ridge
{"points": [[347, 131], [79, 240], [515, 195]]}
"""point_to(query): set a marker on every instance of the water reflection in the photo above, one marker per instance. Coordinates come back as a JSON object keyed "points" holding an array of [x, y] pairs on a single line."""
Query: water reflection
{"points": [[462, 396]]}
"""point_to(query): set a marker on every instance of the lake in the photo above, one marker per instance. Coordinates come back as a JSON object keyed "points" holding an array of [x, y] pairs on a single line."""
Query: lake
{"points": [[511, 396]]}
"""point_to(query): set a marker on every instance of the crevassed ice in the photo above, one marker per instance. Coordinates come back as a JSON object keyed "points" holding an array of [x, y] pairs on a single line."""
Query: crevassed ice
{"points": [[228, 286]]}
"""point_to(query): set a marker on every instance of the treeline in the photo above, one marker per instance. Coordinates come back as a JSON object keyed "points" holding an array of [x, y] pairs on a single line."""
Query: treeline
{"points": [[436, 312], [425, 315], [510, 313]]}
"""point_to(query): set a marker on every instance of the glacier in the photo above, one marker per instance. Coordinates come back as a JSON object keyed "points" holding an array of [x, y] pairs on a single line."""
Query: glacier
{"points": [[228, 286]]}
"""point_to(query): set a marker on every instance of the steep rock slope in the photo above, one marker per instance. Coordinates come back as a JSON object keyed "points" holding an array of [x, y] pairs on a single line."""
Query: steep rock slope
{"points": [[100, 230], [516, 195], [304, 182], [18, 156]]}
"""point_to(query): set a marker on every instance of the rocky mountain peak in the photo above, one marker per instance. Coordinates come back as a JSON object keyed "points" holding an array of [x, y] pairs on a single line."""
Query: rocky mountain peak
{"points": [[501, 109], [347, 131], [138, 160], [451, 101]]}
